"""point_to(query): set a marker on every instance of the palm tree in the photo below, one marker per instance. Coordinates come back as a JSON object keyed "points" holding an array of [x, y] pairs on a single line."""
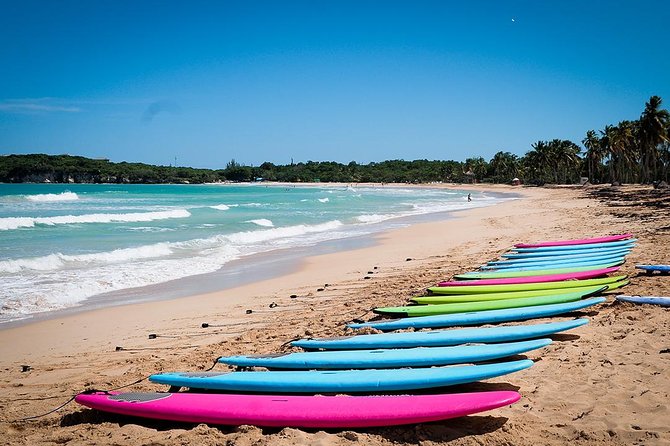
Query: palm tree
{"points": [[653, 131], [505, 166], [565, 160], [478, 166], [594, 155], [623, 146], [537, 163]]}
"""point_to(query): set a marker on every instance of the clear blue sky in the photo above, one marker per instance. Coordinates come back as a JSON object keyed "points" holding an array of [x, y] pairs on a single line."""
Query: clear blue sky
{"points": [[208, 81]]}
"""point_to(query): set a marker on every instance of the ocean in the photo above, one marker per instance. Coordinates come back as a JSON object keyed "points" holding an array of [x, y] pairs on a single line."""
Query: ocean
{"points": [[65, 245]]}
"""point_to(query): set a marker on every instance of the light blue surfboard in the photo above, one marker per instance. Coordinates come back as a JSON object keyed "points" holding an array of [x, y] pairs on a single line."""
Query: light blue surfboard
{"points": [[554, 264], [564, 254], [576, 257], [652, 300], [586, 247], [487, 268], [437, 338], [385, 358], [590, 264], [339, 381]]}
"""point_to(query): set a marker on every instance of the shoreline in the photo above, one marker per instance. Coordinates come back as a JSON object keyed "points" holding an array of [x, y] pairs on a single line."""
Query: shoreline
{"points": [[596, 385]]}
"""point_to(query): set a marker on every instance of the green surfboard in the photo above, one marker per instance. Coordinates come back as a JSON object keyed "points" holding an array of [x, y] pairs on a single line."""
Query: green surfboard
{"points": [[448, 299], [477, 289], [465, 307]]}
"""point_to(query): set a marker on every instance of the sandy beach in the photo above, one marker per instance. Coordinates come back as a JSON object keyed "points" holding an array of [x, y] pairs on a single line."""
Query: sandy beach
{"points": [[604, 383]]}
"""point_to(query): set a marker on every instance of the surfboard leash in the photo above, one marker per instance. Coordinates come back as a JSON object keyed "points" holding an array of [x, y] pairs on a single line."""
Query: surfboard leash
{"points": [[86, 391]]}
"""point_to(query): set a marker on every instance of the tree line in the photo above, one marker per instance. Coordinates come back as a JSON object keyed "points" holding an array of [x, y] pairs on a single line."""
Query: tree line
{"points": [[631, 151]]}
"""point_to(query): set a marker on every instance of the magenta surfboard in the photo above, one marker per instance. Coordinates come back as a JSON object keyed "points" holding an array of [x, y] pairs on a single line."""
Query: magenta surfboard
{"points": [[581, 241], [341, 411], [535, 279]]}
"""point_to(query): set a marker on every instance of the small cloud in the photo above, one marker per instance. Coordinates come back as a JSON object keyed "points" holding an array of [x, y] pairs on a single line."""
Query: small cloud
{"points": [[158, 107], [30, 105]]}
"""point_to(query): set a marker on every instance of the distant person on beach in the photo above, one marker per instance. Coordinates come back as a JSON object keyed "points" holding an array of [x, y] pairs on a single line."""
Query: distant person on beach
{"points": [[469, 197]]}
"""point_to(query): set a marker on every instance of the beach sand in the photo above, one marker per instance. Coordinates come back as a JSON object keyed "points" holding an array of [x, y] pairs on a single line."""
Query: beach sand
{"points": [[605, 383]]}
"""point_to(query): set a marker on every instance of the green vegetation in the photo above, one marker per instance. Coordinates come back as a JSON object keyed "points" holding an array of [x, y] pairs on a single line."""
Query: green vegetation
{"points": [[631, 151]]}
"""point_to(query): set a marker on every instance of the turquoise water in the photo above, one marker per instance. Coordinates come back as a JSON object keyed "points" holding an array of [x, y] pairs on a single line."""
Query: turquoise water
{"points": [[63, 244]]}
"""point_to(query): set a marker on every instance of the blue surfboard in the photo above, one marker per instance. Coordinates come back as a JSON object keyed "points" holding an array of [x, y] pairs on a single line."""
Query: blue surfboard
{"points": [[385, 358], [543, 257], [339, 381], [577, 257], [480, 317], [652, 300], [439, 338], [564, 254], [595, 264], [553, 264], [586, 247], [663, 269]]}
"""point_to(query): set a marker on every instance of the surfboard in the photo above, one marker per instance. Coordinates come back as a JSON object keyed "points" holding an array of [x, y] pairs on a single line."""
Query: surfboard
{"points": [[454, 298], [340, 381], [577, 247], [319, 412], [653, 300], [437, 338], [535, 279], [663, 269], [582, 241], [547, 259], [572, 254], [476, 289], [479, 317], [385, 358], [472, 275], [465, 307], [450, 299], [555, 264]]}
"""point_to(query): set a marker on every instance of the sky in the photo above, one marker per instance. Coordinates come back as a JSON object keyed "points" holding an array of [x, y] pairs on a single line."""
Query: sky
{"points": [[202, 82]]}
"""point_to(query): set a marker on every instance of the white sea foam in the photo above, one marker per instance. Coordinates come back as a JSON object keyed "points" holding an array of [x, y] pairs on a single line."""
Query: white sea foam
{"points": [[67, 287], [150, 229], [63, 196], [244, 238], [374, 218], [262, 222], [8, 223], [324, 200], [220, 207], [58, 280], [58, 261]]}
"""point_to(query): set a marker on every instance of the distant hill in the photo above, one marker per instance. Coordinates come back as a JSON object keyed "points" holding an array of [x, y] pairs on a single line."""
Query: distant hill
{"points": [[40, 168]]}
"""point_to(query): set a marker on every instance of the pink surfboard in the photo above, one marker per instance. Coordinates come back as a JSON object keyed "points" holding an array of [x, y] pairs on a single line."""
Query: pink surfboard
{"points": [[341, 411], [582, 241], [535, 279]]}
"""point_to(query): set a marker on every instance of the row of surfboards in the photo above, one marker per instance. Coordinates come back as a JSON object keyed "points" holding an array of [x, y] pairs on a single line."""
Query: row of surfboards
{"points": [[372, 379]]}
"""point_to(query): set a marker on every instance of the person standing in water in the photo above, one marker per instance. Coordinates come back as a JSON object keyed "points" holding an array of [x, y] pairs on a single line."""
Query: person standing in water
{"points": [[469, 197]]}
